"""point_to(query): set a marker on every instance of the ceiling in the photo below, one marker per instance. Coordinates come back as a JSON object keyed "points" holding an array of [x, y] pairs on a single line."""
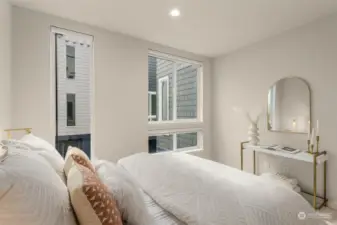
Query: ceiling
{"points": [[205, 27]]}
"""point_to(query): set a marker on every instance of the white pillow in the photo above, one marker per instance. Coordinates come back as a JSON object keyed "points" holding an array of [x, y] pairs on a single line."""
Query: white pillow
{"points": [[129, 199], [43, 148], [280, 179], [38, 143], [47, 151], [37, 195]]}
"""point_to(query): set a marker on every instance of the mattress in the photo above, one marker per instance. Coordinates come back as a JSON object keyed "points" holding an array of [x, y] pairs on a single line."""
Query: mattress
{"points": [[160, 215]]}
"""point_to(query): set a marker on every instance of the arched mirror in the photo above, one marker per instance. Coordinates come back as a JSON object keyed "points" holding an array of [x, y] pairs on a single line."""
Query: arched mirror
{"points": [[289, 106]]}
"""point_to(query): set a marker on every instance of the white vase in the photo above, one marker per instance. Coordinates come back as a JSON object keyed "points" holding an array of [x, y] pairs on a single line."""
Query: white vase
{"points": [[253, 134]]}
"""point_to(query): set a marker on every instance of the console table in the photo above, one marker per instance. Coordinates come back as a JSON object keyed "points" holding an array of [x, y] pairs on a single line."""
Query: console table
{"points": [[316, 159]]}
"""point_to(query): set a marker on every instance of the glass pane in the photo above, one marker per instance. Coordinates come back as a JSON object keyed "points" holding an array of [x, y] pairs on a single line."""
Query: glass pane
{"points": [[186, 140], [160, 143], [154, 105], [70, 62], [159, 69], [164, 100], [150, 103], [187, 81], [71, 101]]}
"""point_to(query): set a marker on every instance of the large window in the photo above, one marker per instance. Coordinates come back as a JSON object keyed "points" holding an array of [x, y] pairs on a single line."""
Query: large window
{"points": [[72, 68], [175, 103]]}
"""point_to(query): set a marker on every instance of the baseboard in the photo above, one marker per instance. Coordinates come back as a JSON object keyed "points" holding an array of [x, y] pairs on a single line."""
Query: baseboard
{"points": [[332, 205]]}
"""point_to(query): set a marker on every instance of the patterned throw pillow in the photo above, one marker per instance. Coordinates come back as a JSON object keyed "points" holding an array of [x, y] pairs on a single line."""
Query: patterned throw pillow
{"points": [[76, 156], [91, 201], [83, 161]]}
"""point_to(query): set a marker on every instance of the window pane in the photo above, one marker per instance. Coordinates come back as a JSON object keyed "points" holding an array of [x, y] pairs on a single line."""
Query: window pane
{"points": [[186, 140], [164, 100], [71, 110], [154, 104], [70, 62], [160, 81], [187, 81], [160, 143]]}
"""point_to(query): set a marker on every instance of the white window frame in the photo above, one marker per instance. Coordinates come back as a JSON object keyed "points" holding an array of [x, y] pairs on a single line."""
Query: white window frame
{"points": [[174, 133], [160, 100], [178, 126], [150, 115]]}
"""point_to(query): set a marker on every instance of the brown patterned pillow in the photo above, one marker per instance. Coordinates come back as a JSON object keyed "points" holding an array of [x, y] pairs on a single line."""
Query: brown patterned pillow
{"points": [[83, 161], [76, 156], [91, 201]]}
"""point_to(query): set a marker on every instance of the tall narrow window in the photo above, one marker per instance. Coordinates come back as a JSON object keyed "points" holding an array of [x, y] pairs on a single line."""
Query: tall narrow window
{"points": [[73, 53], [70, 62], [71, 106]]}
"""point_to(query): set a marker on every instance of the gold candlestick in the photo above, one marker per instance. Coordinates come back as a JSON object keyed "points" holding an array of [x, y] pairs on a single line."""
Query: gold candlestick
{"points": [[308, 141], [317, 144], [311, 148]]}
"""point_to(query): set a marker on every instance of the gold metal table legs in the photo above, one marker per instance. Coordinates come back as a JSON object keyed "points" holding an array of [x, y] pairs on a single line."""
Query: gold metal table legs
{"points": [[314, 194]]}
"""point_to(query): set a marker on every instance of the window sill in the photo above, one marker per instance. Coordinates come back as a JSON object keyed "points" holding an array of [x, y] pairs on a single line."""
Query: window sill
{"points": [[192, 150], [171, 127], [177, 151]]}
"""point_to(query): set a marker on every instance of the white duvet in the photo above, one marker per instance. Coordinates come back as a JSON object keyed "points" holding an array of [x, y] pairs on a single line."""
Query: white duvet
{"points": [[202, 192]]}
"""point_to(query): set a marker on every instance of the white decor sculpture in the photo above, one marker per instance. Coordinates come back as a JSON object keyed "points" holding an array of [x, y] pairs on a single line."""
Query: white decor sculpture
{"points": [[253, 131]]}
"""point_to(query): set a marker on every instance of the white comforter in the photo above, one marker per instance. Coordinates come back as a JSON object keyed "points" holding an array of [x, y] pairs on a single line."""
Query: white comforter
{"points": [[202, 192]]}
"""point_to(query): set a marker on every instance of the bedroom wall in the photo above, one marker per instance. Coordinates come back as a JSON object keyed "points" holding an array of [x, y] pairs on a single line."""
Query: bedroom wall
{"points": [[242, 79], [5, 65], [121, 82]]}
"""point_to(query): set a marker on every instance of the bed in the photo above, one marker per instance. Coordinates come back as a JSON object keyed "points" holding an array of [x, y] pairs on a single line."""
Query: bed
{"points": [[172, 188], [160, 215], [203, 192]]}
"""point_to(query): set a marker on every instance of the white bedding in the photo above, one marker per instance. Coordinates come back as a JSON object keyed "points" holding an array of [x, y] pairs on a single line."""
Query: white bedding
{"points": [[202, 192], [160, 215]]}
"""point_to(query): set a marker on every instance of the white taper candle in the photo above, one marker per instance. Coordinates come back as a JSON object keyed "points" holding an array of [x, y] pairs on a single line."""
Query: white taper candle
{"points": [[312, 136], [317, 128]]}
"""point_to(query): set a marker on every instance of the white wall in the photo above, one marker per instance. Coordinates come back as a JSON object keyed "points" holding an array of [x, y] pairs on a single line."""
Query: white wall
{"points": [[5, 65], [120, 90], [243, 78]]}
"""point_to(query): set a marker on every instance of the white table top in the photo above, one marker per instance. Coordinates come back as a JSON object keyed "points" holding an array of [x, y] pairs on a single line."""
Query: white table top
{"points": [[302, 156]]}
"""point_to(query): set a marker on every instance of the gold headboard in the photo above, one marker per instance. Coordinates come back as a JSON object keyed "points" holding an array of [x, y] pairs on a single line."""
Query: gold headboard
{"points": [[9, 131]]}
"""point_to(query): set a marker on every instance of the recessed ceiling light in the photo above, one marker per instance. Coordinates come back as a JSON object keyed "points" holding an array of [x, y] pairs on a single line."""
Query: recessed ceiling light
{"points": [[175, 12]]}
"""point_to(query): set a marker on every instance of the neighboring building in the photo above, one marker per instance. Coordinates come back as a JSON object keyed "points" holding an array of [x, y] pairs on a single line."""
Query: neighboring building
{"points": [[161, 99], [73, 94]]}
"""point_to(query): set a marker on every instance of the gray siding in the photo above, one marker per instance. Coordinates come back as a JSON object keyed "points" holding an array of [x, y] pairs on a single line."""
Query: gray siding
{"points": [[165, 142], [187, 140], [186, 85], [187, 92], [152, 81]]}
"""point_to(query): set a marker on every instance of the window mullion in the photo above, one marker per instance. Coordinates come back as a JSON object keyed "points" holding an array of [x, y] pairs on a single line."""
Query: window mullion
{"points": [[174, 92], [174, 142], [149, 96]]}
